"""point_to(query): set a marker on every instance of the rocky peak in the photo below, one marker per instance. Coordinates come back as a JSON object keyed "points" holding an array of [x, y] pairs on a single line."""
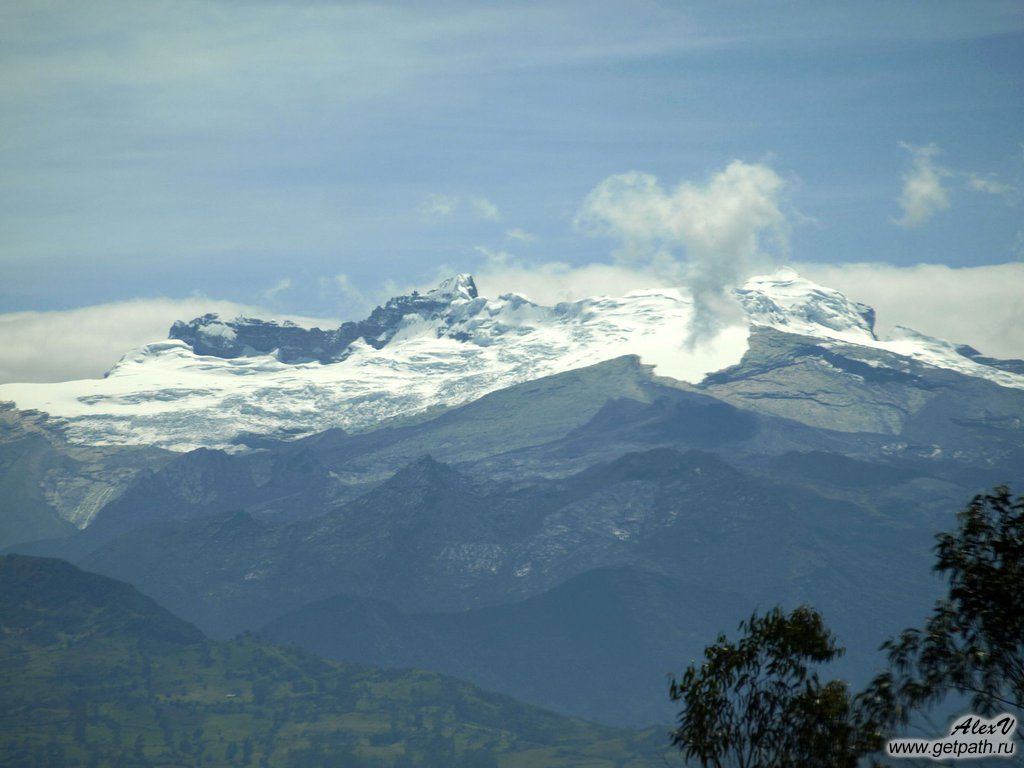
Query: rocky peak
{"points": [[291, 343], [461, 286], [788, 302], [427, 472]]}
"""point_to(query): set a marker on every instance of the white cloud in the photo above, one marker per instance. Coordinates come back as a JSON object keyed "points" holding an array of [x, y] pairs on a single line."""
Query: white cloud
{"points": [[553, 282], [353, 300], [520, 235], [709, 236], [282, 285], [438, 207], [545, 283], [926, 192], [85, 342], [981, 306], [923, 193], [485, 209], [989, 185]]}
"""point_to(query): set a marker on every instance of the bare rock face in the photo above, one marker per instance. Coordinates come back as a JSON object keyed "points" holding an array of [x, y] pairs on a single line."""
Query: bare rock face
{"points": [[291, 343]]}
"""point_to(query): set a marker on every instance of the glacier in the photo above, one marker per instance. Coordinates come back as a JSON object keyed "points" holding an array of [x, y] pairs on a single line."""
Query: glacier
{"points": [[216, 381]]}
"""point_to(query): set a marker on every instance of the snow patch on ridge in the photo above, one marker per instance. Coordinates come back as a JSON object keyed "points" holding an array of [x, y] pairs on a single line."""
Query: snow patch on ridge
{"points": [[787, 302]]}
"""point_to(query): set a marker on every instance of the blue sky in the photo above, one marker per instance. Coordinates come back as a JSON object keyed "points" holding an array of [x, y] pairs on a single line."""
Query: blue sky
{"points": [[255, 151]]}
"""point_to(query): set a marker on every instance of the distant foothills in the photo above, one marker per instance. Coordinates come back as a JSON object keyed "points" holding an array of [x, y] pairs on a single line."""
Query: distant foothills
{"points": [[96, 674]]}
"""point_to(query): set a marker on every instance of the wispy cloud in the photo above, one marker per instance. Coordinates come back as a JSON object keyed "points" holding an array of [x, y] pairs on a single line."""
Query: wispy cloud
{"points": [[555, 281], [350, 298], [439, 206], [206, 127], [262, 133], [519, 235], [282, 285], [924, 193], [990, 185], [928, 186], [485, 209]]}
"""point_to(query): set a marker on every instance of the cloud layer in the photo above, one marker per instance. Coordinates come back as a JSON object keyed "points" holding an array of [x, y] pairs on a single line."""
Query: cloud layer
{"points": [[85, 342], [980, 306], [927, 186]]}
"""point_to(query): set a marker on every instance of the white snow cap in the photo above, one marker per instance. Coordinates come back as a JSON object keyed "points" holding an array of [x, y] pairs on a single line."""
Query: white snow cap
{"points": [[461, 286], [167, 395], [786, 301]]}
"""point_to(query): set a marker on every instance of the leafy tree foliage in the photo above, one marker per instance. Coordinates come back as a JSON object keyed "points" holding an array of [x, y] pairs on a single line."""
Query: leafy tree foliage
{"points": [[973, 641], [759, 701]]}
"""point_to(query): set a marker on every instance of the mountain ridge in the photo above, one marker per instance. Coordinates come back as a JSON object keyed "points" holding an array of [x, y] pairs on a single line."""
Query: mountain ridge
{"points": [[216, 381]]}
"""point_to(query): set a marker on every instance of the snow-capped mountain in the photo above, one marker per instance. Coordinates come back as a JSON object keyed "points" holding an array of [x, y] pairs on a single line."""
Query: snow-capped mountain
{"points": [[214, 380]]}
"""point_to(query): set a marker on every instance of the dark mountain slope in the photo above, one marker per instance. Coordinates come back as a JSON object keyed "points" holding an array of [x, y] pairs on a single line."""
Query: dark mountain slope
{"points": [[529, 414], [307, 478], [934, 415], [278, 484], [433, 540], [424, 535], [25, 513], [93, 673], [49, 487], [617, 629], [51, 600]]}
